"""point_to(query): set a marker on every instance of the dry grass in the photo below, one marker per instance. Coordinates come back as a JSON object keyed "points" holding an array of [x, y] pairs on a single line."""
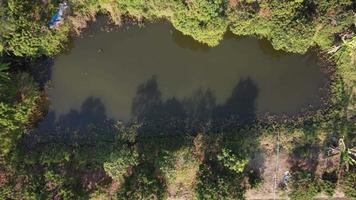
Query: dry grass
{"points": [[79, 22], [181, 184], [113, 12]]}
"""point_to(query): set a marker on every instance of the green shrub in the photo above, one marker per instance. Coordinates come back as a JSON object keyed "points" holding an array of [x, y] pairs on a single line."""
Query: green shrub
{"points": [[349, 184], [329, 182], [305, 186], [143, 184], [291, 26], [25, 31], [202, 20], [231, 162], [254, 179], [214, 182], [14, 112], [119, 162], [4, 75]]}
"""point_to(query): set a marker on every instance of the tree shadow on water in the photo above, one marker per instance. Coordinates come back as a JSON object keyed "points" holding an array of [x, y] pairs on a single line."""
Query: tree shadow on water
{"points": [[155, 114], [187, 42], [239, 107], [197, 113], [42, 71], [88, 125], [200, 108], [147, 100]]}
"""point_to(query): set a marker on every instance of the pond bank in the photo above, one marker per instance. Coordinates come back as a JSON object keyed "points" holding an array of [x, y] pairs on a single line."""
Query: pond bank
{"points": [[196, 68]]}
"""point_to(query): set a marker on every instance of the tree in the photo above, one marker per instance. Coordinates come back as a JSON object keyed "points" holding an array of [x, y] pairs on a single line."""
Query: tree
{"points": [[119, 162], [231, 162]]}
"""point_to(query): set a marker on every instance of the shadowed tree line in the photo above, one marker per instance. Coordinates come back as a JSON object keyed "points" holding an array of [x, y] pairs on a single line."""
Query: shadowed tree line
{"points": [[87, 125], [199, 113]]}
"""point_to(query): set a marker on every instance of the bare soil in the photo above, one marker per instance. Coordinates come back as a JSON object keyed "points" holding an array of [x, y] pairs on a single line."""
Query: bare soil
{"points": [[265, 191]]}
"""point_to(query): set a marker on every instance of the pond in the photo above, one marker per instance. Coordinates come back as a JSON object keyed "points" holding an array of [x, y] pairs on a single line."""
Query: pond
{"points": [[137, 73]]}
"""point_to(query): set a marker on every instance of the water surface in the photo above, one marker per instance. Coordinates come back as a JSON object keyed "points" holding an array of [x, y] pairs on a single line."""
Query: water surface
{"points": [[138, 72]]}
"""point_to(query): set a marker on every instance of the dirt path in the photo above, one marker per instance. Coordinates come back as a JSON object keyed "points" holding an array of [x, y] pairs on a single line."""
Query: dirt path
{"points": [[265, 191]]}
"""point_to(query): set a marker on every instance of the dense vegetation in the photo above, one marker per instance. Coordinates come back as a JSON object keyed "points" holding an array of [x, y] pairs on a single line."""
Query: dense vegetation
{"points": [[293, 25], [18, 94], [102, 159]]}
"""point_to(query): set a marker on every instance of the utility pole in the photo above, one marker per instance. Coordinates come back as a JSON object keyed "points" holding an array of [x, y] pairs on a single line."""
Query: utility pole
{"points": [[275, 177]]}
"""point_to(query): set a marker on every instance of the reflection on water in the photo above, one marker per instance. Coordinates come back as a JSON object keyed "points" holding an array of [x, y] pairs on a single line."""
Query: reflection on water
{"points": [[156, 73], [188, 42]]}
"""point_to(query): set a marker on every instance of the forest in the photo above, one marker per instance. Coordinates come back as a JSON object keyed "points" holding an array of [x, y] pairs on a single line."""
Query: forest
{"points": [[165, 153]]}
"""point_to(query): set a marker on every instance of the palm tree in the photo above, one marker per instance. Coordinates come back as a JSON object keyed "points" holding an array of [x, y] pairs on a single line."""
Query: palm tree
{"points": [[346, 43], [347, 155]]}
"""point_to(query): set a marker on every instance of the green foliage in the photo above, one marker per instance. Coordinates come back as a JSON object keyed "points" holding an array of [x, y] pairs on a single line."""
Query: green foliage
{"points": [[26, 32], [119, 162], [179, 169], [215, 182], [349, 184], [50, 171], [3, 26], [47, 168], [27, 191], [56, 170], [143, 184], [51, 184], [292, 25], [4, 76], [166, 163], [343, 88], [346, 158], [162, 151], [329, 182], [56, 184], [203, 20], [226, 155], [254, 179], [305, 186], [15, 112], [231, 162]]}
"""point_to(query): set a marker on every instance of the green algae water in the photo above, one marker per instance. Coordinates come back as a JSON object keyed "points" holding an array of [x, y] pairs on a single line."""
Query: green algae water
{"points": [[135, 70]]}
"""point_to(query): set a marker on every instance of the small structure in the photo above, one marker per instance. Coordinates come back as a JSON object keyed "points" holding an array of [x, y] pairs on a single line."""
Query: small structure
{"points": [[58, 16]]}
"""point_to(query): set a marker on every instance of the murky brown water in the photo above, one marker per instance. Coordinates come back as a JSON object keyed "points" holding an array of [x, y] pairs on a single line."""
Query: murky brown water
{"points": [[133, 68]]}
